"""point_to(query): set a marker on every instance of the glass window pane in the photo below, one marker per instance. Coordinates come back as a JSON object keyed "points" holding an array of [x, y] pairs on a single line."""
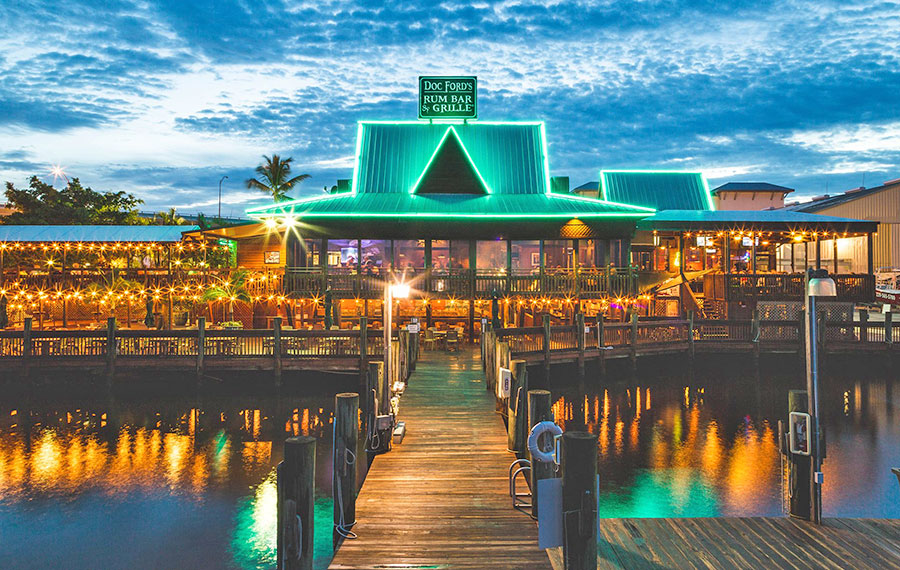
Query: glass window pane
{"points": [[410, 255], [587, 250], [376, 256], [343, 253], [459, 254], [558, 253], [440, 254], [526, 256], [491, 255]]}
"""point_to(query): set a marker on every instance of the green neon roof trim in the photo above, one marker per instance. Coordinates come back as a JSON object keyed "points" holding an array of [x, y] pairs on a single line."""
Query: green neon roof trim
{"points": [[437, 149], [451, 216], [385, 205]]}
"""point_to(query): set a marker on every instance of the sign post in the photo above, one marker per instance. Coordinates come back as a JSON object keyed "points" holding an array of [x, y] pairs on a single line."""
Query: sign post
{"points": [[448, 97]]}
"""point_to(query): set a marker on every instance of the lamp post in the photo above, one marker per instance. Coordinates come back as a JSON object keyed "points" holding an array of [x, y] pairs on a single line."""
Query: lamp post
{"points": [[391, 291], [220, 195], [818, 286]]}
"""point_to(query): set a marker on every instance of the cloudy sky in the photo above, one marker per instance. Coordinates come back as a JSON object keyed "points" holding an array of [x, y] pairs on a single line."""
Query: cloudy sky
{"points": [[163, 98]]}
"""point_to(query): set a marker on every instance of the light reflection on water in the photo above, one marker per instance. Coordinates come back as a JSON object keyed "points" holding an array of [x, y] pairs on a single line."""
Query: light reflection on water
{"points": [[167, 484], [675, 447]]}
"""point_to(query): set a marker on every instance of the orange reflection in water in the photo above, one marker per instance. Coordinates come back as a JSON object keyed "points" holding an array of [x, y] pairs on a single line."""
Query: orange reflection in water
{"points": [[681, 437], [71, 452]]}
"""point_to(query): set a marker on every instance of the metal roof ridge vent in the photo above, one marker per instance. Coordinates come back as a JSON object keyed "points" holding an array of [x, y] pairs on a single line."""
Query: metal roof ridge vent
{"points": [[854, 190]]}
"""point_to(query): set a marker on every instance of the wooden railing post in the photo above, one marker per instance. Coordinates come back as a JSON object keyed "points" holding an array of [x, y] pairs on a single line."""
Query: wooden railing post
{"points": [[754, 335], [634, 340], [276, 349], [579, 338], [690, 332], [346, 440], [864, 325], [27, 346], [363, 348], [539, 410], [201, 344], [579, 500], [888, 328], [110, 349], [601, 343], [296, 500], [546, 323]]}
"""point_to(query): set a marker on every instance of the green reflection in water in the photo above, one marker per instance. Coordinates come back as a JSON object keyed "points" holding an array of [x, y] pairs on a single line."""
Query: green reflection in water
{"points": [[255, 540], [679, 492]]}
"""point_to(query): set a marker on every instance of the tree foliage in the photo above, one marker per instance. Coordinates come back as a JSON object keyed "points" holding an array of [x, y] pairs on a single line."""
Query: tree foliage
{"points": [[43, 204], [274, 177], [170, 218]]}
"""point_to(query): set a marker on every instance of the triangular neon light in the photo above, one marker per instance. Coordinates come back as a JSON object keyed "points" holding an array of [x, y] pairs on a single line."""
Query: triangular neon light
{"points": [[437, 151]]}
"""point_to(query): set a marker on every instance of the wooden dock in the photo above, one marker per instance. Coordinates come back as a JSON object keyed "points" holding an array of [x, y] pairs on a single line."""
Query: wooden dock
{"points": [[651, 544], [440, 499]]}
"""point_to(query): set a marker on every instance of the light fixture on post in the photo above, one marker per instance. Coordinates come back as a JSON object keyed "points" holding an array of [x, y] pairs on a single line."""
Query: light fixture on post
{"points": [[391, 291], [819, 285], [220, 195]]}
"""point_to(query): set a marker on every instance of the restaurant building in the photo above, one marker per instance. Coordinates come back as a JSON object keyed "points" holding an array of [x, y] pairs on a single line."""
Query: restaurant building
{"points": [[468, 214]]}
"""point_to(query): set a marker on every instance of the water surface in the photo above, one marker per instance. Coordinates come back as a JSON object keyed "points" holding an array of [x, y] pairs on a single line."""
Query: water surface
{"points": [[681, 447], [167, 483]]}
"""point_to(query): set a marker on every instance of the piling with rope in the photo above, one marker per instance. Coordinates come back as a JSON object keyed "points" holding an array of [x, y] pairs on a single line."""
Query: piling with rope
{"points": [[344, 487], [296, 483], [539, 410]]}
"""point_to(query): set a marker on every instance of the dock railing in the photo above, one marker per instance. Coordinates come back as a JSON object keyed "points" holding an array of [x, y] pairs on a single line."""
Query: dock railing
{"points": [[48, 346], [681, 335]]}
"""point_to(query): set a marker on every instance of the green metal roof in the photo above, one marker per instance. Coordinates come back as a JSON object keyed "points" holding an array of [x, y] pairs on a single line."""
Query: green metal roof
{"points": [[510, 158], [660, 190], [773, 220], [61, 234], [403, 205]]}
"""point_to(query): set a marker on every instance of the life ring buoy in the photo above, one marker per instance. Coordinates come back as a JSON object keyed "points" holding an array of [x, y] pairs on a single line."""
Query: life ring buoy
{"points": [[539, 429]]}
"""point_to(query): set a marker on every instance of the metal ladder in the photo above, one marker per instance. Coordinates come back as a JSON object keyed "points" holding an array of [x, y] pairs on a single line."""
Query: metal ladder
{"points": [[517, 467]]}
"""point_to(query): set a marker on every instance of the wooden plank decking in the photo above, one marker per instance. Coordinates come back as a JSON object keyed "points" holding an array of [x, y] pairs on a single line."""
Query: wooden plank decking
{"points": [[651, 544], [440, 499]]}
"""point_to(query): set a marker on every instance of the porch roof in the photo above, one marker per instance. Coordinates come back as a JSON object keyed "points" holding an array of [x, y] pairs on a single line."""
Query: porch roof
{"points": [[95, 234], [752, 220]]}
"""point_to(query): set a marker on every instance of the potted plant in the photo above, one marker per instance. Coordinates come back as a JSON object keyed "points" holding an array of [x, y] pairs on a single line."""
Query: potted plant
{"points": [[232, 325]]}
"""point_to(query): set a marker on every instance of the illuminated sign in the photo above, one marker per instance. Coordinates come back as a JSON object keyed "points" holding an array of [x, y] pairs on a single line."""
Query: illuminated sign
{"points": [[448, 97]]}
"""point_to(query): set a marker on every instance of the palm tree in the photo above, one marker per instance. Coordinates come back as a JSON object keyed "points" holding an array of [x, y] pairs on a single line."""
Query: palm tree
{"points": [[231, 290], [273, 177], [170, 218]]}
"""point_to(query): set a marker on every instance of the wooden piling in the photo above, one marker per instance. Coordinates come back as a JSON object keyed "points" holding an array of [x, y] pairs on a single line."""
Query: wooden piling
{"points": [[579, 496], [346, 439], [690, 332], [539, 410], [296, 500], [276, 349], [516, 409]]}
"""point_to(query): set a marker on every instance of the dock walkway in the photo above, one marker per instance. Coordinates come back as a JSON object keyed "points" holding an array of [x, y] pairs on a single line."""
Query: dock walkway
{"points": [[440, 499], [770, 542]]}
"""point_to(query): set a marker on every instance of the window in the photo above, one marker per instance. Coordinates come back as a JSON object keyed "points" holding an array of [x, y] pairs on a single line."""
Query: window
{"points": [[491, 256]]}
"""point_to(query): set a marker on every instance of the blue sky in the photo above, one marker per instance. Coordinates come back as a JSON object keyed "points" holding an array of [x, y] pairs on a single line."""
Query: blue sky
{"points": [[163, 98]]}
